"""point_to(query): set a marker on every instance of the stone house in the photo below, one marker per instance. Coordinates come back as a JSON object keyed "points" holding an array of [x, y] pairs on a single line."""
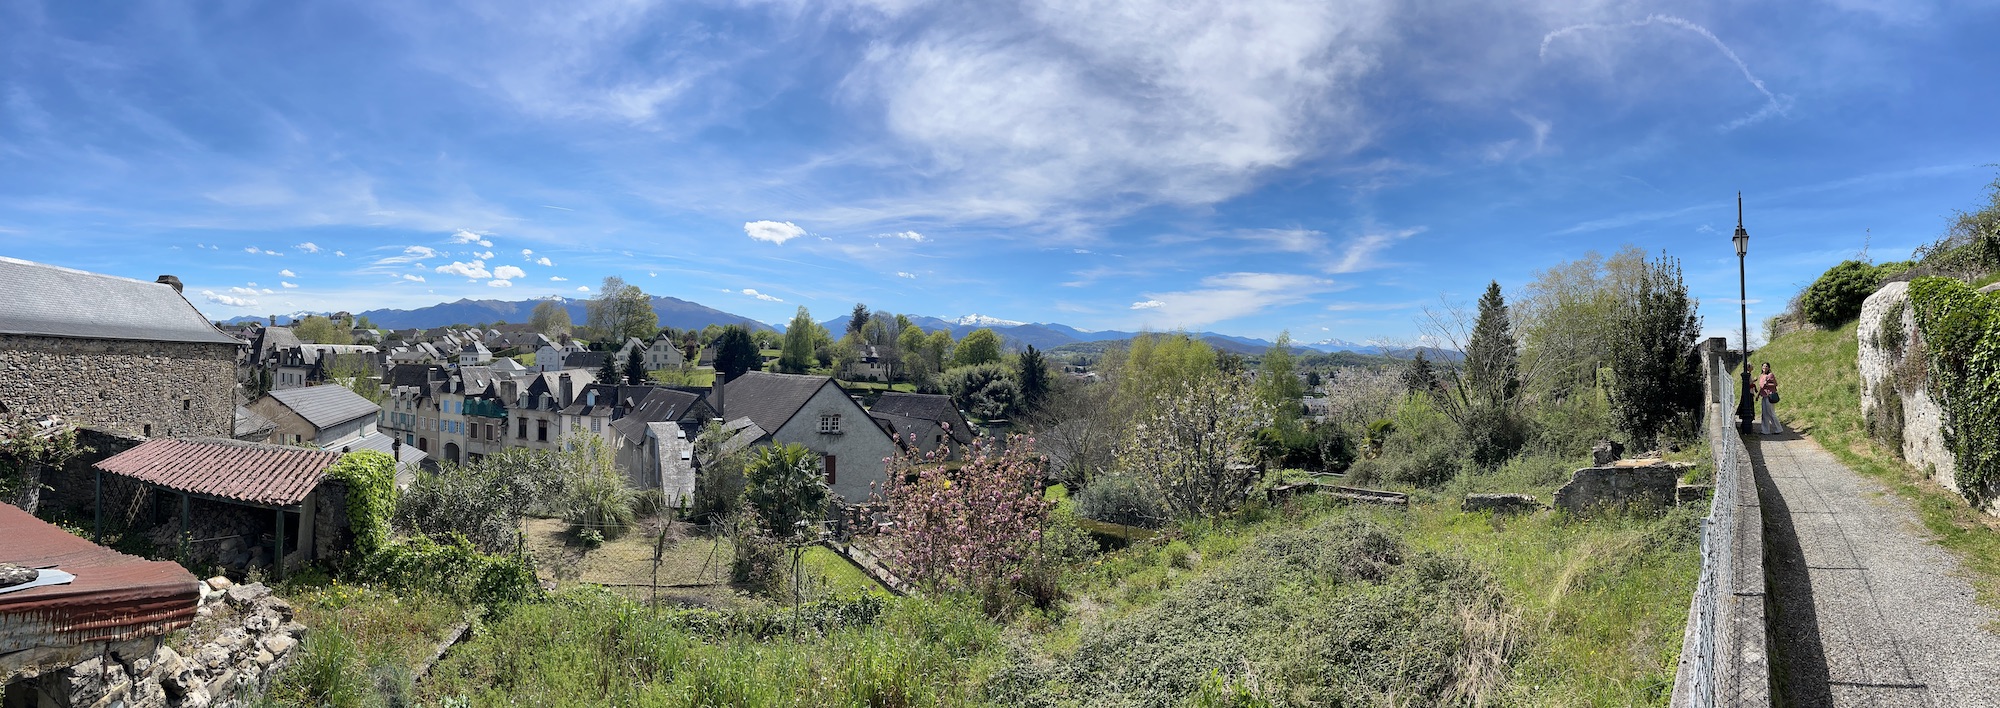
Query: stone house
{"points": [[325, 417], [121, 355], [815, 412], [869, 366]]}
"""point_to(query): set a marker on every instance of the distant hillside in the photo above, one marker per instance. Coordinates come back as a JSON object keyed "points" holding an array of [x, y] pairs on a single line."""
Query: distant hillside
{"points": [[1049, 335], [673, 312]]}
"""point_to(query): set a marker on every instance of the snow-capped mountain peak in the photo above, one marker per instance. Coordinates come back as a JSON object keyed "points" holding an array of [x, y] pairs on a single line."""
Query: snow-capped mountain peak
{"points": [[976, 320]]}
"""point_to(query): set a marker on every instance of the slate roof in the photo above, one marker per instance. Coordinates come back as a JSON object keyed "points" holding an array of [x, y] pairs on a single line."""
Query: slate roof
{"points": [[904, 413], [251, 425], [770, 399], [585, 360], [326, 406], [386, 444], [58, 302], [741, 433], [253, 473]]}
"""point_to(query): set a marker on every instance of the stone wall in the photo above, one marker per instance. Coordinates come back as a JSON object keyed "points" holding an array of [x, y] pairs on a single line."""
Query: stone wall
{"points": [[1591, 488], [1895, 400], [242, 636], [154, 389]]}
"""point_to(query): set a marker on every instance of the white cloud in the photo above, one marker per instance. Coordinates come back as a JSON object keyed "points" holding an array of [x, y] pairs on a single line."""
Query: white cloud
{"points": [[255, 250], [228, 300], [557, 278], [1229, 296], [901, 274], [475, 270], [288, 273], [761, 296], [776, 232], [1150, 101], [1359, 255], [410, 254], [342, 254], [651, 274], [250, 250], [525, 252], [500, 283], [252, 290], [507, 272], [464, 236], [308, 247], [267, 291], [288, 285], [545, 262], [583, 288], [413, 278], [905, 235], [483, 255]]}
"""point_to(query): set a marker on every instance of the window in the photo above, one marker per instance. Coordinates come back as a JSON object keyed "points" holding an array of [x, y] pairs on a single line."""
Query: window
{"points": [[829, 424], [829, 468], [542, 431], [596, 424], [187, 404], [524, 429]]}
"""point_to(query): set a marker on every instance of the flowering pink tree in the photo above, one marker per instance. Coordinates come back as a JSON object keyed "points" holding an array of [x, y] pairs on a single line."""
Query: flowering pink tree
{"points": [[965, 526]]}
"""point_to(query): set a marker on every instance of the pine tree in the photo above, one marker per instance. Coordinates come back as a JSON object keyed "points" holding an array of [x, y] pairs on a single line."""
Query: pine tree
{"points": [[735, 353], [608, 374], [1492, 358], [1032, 378], [635, 367], [859, 319], [1419, 375]]}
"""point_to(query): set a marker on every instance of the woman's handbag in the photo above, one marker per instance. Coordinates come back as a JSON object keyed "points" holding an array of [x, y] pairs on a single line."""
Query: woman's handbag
{"points": [[1774, 398]]}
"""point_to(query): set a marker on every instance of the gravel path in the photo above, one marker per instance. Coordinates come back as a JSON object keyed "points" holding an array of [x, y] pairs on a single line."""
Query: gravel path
{"points": [[1867, 610]]}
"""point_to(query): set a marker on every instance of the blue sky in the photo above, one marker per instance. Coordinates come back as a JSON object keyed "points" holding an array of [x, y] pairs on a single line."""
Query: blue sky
{"points": [[1325, 166]]}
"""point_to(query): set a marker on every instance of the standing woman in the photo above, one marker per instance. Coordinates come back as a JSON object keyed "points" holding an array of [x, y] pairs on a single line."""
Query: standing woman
{"points": [[1767, 392]]}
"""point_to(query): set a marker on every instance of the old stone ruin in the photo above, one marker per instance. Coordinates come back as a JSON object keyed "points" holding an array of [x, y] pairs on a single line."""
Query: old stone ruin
{"points": [[1644, 483]]}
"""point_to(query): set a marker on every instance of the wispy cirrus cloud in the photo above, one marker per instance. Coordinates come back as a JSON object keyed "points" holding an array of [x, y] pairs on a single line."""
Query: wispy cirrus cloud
{"points": [[1774, 104], [752, 292], [1229, 296]]}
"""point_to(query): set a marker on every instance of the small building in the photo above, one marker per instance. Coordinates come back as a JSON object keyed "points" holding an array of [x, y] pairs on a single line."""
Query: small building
{"points": [[664, 354], [869, 366], [251, 427], [240, 505], [325, 417], [87, 601], [930, 420]]}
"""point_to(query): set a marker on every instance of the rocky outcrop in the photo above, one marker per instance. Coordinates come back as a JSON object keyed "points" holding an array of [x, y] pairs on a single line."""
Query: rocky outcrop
{"points": [[1895, 401], [244, 636]]}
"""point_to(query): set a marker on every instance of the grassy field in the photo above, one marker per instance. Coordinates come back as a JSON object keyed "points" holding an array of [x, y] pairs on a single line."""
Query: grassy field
{"points": [[877, 386], [1821, 381], [363, 642]]}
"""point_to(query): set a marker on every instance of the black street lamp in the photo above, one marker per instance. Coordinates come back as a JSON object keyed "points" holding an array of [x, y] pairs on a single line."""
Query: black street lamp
{"points": [[1746, 411]]}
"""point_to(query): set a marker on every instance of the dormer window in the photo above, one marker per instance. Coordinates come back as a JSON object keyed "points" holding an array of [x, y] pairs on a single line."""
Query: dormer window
{"points": [[829, 424]]}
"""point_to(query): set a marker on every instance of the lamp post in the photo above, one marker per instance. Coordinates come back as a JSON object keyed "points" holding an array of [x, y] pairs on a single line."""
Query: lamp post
{"points": [[1746, 411]]}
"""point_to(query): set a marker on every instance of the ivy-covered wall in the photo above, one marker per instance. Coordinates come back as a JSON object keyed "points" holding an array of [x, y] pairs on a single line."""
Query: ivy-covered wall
{"points": [[1930, 381]]}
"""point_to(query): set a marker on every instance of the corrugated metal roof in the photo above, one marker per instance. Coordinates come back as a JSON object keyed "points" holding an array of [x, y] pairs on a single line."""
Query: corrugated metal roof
{"points": [[265, 475], [326, 406], [58, 302], [115, 597]]}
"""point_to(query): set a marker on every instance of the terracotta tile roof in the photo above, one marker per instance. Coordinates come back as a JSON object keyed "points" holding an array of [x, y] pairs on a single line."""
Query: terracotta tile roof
{"points": [[115, 597], [265, 475]]}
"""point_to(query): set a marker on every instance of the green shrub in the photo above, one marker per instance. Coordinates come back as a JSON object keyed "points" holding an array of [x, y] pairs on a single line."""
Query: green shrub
{"points": [[601, 503], [1835, 298], [1121, 499], [454, 569], [370, 478], [1425, 450]]}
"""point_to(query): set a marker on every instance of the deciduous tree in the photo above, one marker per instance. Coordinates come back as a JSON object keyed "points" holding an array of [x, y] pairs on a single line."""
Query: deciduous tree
{"points": [[621, 310], [982, 346], [796, 357], [550, 319], [966, 528]]}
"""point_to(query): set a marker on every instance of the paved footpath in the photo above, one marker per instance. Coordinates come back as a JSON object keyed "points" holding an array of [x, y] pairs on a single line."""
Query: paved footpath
{"points": [[1868, 610]]}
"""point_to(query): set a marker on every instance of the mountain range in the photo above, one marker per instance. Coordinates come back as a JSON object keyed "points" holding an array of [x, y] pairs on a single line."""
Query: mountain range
{"points": [[684, 314]]}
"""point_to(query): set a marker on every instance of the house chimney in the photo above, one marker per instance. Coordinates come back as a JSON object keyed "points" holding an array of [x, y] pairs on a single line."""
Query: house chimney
{"points": [[715, 393], [169, 280], [568, 391], [396, 449]]}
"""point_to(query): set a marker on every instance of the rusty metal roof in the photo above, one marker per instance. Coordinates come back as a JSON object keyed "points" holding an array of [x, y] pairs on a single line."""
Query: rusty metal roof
{"points": [[115, 597], [253, 473]]}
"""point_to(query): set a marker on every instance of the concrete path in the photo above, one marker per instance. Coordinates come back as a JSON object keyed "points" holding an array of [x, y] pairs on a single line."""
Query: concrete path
{"points": [[1867, 611]]}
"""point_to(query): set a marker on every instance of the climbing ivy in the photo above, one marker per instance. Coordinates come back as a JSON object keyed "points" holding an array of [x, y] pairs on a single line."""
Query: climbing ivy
{"points": [[1961, 330], [26, 445], [371, 497]]}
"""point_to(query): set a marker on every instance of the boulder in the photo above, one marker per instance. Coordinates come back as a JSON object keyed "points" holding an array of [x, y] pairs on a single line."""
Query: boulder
{"points": [[11, 574], [1501, 503], [1606, 452], [279, 644], [219, 583], [244, 595]]}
